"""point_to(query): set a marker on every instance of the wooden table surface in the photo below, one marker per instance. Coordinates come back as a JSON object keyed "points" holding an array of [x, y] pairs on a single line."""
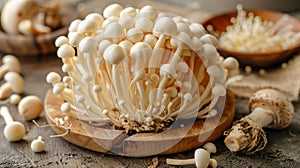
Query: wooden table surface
{"points": [[283, 149]]}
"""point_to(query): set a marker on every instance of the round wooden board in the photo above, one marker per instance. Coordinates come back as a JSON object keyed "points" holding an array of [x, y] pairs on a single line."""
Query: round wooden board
{"points": [[170, 141]]}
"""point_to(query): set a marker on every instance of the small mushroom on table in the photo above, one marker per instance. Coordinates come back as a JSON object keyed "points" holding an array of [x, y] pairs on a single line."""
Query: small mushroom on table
{"points": [[10, 63], [30, 107], [14, 83], [38, 145], [14, 130], [201, 159], [269, 108]]}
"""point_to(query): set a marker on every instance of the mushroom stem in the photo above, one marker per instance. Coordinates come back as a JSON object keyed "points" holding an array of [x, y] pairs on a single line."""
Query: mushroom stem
{"points": [[6, 115], [240, 137], [260, 117], [13, 130], [157, 54], [180, 162]]}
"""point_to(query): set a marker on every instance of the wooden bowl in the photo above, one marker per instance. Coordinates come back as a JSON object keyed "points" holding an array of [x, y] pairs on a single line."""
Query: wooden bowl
{"points": [[256, 59], [24, 46]]}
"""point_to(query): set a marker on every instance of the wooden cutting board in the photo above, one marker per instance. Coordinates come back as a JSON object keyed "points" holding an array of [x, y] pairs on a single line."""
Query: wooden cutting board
{"points": [[108, 140]]}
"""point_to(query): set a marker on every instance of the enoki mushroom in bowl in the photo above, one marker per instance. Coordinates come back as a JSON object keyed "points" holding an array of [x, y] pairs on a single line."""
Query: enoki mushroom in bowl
{"points": [[139, 69], [250, 33]]}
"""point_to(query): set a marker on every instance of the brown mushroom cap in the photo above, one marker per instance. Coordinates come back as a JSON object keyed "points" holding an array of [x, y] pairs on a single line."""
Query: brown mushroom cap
{"points": [[276, 102]]}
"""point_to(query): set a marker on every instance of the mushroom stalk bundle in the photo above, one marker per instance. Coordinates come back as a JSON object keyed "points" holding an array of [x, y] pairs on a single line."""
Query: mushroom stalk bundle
{"points": [[138, 73]]}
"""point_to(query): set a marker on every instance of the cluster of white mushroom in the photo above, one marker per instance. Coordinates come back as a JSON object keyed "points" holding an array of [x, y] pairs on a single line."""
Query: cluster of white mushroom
{"points": [[139, 69], [29, 107], [249, 33]]}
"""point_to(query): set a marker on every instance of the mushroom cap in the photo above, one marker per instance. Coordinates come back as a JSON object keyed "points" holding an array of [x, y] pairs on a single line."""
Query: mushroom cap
{"points": [[144, 24], [168, 70], [276, 102], [134, 35], [30, 107], [74, 25], [164, 25], [141, 50], [114, 54], [149, 12], [114, 30], [112, 10], [61, 40], [14, 131], [231, 63], [96, 17], [75, 38], [88, 45], [15, 80], [53, 77], [202, 158], [197, 29], [12, 63], [181, 39], [65, 51], [128, 11], [88, 26], [37, 145]]}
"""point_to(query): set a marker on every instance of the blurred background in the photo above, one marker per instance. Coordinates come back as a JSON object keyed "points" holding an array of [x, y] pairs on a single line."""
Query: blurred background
{"points": [[196, 10]]}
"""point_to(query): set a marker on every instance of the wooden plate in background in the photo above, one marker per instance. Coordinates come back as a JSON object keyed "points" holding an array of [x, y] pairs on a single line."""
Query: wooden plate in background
{"points": [[256, 59], [24, 46]]}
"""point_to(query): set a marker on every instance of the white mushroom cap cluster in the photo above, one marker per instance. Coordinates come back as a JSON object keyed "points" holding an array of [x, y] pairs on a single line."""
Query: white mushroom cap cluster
{"points": [[138, 69]]}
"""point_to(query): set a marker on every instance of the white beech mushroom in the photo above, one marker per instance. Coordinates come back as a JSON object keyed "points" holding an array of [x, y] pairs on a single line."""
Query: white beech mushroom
{"points": [[163, 28], [201, 159], [61, 40], [141, 52], [13, 130], [138, 71], [112, 10], [269, 108], [210, 147], [213, 163], [14, 99], [14, 83], [115, 32], [38, 145], [10, 63], [30, 107], [231, 64]]}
